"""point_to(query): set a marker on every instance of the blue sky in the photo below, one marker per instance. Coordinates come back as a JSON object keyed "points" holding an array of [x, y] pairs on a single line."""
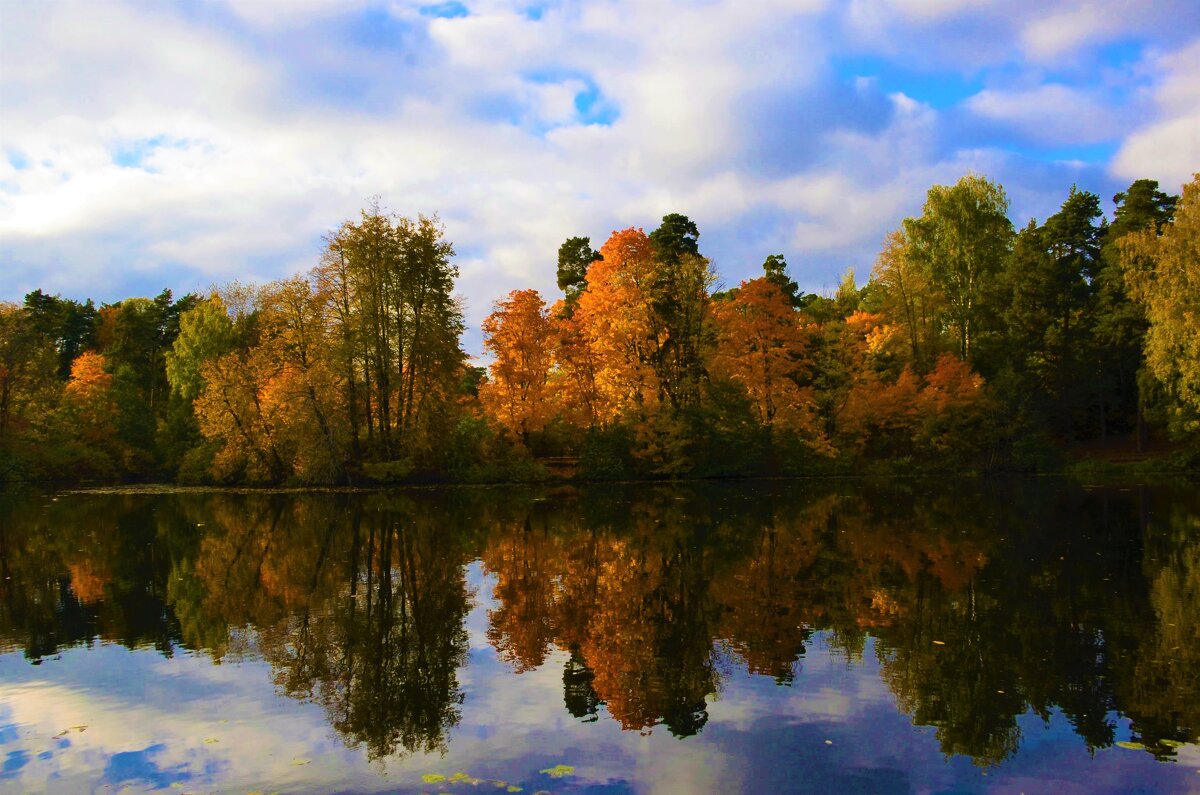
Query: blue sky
{"points": [[146, 145]]}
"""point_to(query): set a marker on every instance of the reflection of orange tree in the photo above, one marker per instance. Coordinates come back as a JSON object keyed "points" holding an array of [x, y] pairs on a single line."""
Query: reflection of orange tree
{"points": [[650, 639], [768, 601], [641, 596], [522, 627], [630, 597]]}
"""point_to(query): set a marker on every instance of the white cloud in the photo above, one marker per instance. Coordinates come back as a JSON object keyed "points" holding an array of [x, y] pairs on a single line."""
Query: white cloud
{"points": [[1050, 113], [1168, 148], [1064, 30]]}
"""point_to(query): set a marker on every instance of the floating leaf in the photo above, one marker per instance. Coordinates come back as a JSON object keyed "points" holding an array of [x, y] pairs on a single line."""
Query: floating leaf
{"points": [[514, 788], [1171, 743], [459, 776], [432, 778], [210, 740], [558, 771], [1131, 746], [939, 643], [301, 761]]}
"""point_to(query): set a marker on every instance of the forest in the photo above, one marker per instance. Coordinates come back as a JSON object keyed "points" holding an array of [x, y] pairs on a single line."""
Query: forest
{"points": [[972, 347]]}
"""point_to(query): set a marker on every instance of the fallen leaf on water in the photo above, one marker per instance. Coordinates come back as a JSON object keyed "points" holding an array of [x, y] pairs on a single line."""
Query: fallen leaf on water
{"points": [[433, 778], [939, 643], [558, 771], [300, 761], [1131, 746], [210, 740]]}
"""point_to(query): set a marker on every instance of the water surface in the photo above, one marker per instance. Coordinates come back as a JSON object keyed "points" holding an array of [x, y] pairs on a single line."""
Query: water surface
{"points": [[760, 637]]}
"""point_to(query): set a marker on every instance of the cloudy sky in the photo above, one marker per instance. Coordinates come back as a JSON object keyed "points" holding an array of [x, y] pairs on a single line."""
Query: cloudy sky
{"points": [[148, 144]]}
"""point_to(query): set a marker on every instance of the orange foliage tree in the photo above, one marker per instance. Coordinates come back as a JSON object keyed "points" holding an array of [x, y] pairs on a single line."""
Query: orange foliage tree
{"points": [[520, 334], [764, 345], [89, 399], [945, 412], [618, 326], [575, 391], [276, 407]]}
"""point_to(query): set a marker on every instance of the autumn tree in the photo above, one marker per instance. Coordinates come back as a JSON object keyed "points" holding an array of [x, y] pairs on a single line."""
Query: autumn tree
{"points": [[911, 297], [309, 382], [89, 394], [520, 335], [577, 363], [618, 325], [764, 345], [235, 411], [1125, 387], [273, 403], [1163, 277]]}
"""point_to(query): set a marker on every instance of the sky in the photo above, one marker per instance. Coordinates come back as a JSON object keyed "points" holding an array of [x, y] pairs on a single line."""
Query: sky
{"points": [[148, 144]]}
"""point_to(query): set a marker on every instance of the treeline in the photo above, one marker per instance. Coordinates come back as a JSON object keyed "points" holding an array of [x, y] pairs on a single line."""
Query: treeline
{"points": [[972, 346]]}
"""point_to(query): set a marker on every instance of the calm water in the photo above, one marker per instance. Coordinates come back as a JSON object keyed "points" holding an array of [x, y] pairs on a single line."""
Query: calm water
{"points": [[840, 637]]}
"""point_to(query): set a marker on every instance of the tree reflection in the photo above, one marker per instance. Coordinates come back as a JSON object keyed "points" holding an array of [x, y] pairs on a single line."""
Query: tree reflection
{"points": [[981, 604], [358, 607]]}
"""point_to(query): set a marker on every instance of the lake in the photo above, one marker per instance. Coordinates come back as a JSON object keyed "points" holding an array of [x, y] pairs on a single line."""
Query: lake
{"points": [[760, 637]]}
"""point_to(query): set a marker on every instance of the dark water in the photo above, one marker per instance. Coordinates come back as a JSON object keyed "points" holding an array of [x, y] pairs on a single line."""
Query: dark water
{"points": [[840, 637]]}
